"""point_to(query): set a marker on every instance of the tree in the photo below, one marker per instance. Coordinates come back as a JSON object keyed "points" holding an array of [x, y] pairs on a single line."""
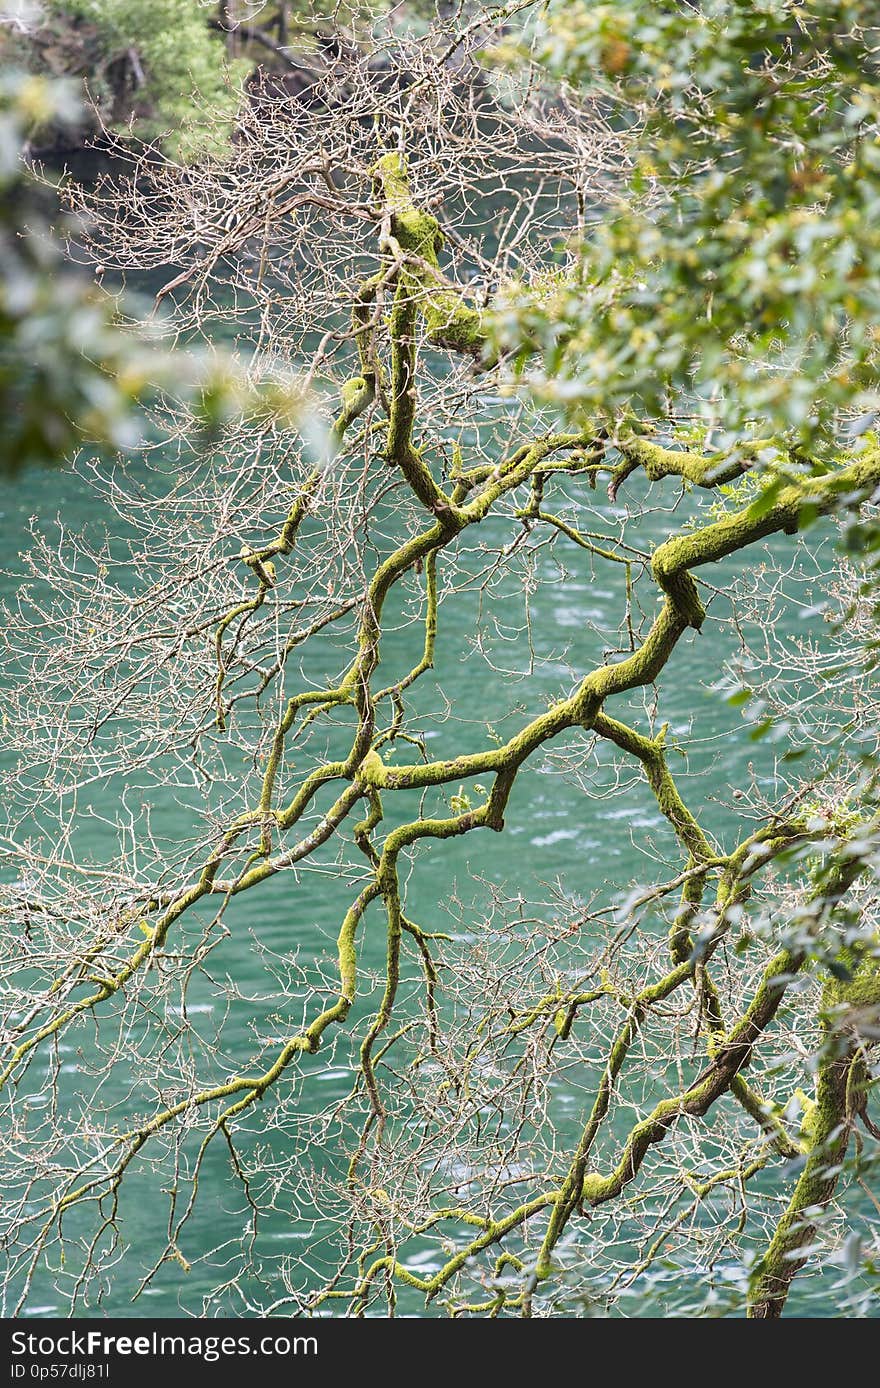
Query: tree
{"points": [[159, 66], [264, 633], [176, 72], [743, 264], [178, 68]]}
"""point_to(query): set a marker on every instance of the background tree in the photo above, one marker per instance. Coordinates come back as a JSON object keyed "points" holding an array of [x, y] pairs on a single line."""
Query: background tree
{"points": [[264, 633], [177, 72]]}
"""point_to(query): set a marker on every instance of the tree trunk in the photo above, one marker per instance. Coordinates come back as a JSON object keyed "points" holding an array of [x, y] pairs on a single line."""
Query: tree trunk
{"points": [[813, 1192]]}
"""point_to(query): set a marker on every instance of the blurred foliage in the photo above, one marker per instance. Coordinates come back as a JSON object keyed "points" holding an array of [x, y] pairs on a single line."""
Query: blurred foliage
{"points": [[741, 259], [68, 371], [73, 369]]}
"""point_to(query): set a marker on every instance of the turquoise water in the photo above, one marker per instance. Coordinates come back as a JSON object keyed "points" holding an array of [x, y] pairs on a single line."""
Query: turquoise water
{"points": [[554, 831]]}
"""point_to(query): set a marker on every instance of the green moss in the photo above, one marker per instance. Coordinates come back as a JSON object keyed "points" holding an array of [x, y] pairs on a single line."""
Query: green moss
{"points": [[809, 1118], [350, 390], [449, 321], [709, 471], [452, 323], [372, 769], [826, 1131], [416, 230], [356, 395], [390, 171], [860, 990], [594, 1184]]}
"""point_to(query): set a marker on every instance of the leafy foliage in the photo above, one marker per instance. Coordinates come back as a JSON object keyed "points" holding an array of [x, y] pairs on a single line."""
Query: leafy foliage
{"points": [[68, 370], [185, 92], [741, 258], [76, 363]]}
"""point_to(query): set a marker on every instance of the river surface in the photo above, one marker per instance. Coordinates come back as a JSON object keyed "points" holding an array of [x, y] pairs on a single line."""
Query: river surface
{"points": [[553, 831]]}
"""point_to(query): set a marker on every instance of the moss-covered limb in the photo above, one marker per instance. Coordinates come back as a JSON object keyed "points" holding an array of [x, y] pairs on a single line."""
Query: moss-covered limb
{"points": [[695, 843], [564, 1004], [207, 884], [364, 828], [852, 485], [389, 886], [468, 479], [429, 969], [415, 240], [328, 698], [490, 1235], [368, 1272], [521, 466], [352, 688], [756, 853], [408, 834], [243, 610], [491, 1308], [364, 320], [295, 639], [356, 396], [751, 856], [354, 685], [249, 1088], [651, 752], [702, 470], [455, 1213], [619, 474], [412, 231], [546, 518], [850, 1001], [427, 660], [765, 1115], [400, 450], [570, 1193], [305, 846], [449, 321], [731, 1056], [683, 609], [670, 565], [111, 983], [737, 1176], [579, 710], [357, 679], [841, 1091], [831, 1125], [757, 850]]}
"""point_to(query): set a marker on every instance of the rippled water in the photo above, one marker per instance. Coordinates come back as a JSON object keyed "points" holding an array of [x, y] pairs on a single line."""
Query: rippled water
{"points": [[553, 830]]}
